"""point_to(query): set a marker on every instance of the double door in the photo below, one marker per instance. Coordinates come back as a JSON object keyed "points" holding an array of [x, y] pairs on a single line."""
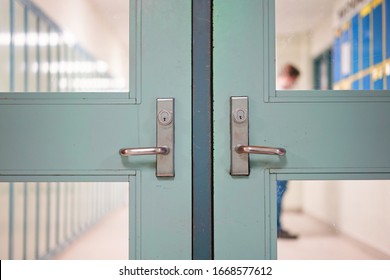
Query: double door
{"points": [[198, 208]]}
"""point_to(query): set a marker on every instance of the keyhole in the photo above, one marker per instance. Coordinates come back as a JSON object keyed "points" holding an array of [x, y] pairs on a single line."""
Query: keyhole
{"points": [[240, 116], [165, 117]]}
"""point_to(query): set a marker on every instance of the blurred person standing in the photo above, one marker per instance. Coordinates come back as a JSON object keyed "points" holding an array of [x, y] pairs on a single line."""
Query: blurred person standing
{"points": [[286, 79]]}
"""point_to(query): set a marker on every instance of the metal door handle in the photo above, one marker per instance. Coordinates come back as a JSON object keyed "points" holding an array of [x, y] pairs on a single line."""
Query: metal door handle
{"points": [[165, 140], [147, 151], [239, 138], [260, 150]]}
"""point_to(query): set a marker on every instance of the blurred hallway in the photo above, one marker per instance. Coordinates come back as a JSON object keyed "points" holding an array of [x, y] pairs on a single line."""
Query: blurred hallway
{"points": [[107, 240], [320, 241]]}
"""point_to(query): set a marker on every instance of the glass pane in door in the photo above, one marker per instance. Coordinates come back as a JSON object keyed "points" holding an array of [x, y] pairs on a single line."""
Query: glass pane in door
{"points": [[339, 45], [335, 220], [64, 46], [64, 220]]}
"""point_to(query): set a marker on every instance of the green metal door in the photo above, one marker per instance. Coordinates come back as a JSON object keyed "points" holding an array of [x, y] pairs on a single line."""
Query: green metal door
{"points": [[328, 135], [54, 136]]}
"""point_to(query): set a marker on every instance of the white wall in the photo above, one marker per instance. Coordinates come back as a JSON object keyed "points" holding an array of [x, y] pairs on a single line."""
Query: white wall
{"points": [[359, 209], [322, 37], [295, 49], [293, 198]]}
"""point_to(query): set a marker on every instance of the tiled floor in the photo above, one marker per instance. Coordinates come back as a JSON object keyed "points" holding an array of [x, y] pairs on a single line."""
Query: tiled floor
{"points": [[109, 240], [319, 241]]}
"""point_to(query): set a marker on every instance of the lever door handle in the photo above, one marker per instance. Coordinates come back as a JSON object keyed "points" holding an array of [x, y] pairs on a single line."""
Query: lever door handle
{"points": [[239, 138], [165, 140], [147, 151], [260, 150]]}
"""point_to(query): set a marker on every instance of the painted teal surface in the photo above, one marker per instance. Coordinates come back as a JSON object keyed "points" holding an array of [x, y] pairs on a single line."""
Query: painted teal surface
{"points": [[166, 72], [55, 137], [81, 136], [239, 202], [336, 134]]}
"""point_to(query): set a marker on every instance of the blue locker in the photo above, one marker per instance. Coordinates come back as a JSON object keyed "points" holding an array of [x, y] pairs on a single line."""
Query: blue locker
{"points": [[366, 82], [377, 34], [378, 84], [337, 60], [355, 85], [355, 44], [387, 17], [366, 41], [388, 82]]}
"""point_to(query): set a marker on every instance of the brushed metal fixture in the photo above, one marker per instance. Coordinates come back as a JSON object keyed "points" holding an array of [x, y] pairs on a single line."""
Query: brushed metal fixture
{"points": [[165, 139]]}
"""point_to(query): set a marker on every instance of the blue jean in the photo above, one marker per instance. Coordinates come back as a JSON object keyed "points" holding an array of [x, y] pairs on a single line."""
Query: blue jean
{"points": [[280, 190]]}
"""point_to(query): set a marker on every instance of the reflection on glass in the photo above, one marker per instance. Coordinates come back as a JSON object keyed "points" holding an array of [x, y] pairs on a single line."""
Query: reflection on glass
{"points": [[40, 220], [336, 44], [336, 220], [57, 46]]}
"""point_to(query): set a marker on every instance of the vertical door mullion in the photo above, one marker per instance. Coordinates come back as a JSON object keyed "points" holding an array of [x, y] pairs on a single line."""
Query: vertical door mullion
{"points": [[202, 152]]}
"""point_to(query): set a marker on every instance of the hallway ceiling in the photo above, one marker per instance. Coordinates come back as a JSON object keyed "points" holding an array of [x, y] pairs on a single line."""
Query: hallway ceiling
{"points": [[296, 16], [116, 13], [293, 16]]}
